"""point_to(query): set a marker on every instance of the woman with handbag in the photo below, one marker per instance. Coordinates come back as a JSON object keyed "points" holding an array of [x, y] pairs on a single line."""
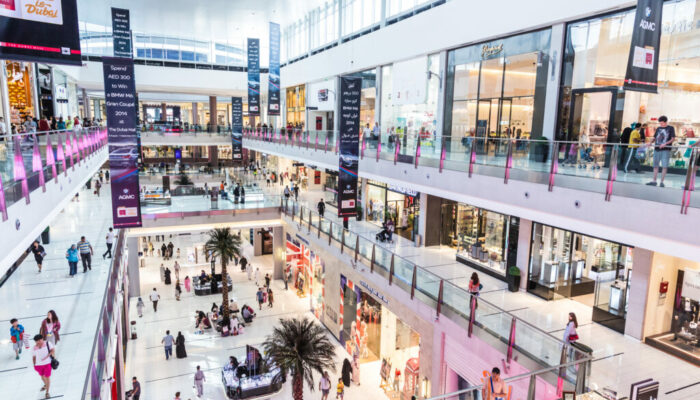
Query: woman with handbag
{"points": [[570, 335], [39, 253], [50, 327], [43, 359]]}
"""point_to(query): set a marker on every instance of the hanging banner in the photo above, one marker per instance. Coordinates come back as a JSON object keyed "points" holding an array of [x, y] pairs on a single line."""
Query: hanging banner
{"points": [[237, 129], [643, 62], [349, 123], [40, 31], [273, 89], [120, 102], [121, 32], [253, 76]]}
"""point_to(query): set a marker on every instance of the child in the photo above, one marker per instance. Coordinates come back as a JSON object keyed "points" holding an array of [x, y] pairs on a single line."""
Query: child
{"points": [[17, 336], [341, 389]]}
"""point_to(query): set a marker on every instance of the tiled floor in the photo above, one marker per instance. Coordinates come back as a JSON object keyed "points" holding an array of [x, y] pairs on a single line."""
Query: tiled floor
{"points": [[28, 296], [160, 379]]}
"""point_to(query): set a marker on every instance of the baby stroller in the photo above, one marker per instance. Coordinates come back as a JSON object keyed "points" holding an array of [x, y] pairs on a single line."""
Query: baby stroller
{"points": [[586, 157], [385, 234]]}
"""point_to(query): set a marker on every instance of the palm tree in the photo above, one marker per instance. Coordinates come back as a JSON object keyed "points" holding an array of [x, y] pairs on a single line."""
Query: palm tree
{"points": [[301, 347], [223, 245]]}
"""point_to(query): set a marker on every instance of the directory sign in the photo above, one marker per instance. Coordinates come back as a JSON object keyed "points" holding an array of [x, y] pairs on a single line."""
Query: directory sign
{"points": [[40, 31], [273, 89], [643, 62], [121, 32], [122, 135], [349, 123], [237, 129], [253, 76]]}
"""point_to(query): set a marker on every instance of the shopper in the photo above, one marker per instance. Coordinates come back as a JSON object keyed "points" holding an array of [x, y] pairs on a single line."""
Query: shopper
{"points": [[168, 281], [107, 176], [167, 342], [41, 358], [257, 276], [187, 283], [296, 192], [496, 385], [325, 385], [570, 335], [397, 380], [244, 262], [287, 193], [16, 337], [199, 380], [270, 297], [139, 307], [135, 392], [267, 280], [177, 396], [50, 327], [39, 253], [178, 290], [86, 253], [176, 268], [180, 351], [72, 257], [98, 186], [346, 371], [634, 141], [261, 298], [663, 140], [474, 287], [321, 207], [154, 296], [109, 240]]}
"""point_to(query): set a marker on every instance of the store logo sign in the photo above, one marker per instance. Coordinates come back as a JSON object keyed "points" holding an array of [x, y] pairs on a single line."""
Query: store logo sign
{"points": [[374, 292], [488, 51]]}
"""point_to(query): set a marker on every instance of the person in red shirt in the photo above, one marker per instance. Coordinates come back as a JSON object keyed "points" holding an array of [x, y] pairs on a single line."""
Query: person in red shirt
{"points": [[44, 125]]}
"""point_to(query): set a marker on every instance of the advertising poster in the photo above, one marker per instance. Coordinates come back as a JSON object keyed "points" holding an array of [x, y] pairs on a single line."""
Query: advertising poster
{"points": [[40, 31], [253, 76], [120, 102], [237, 129], [121, 32], [273, 89], [349, 124], [691, 285], [643, 62]]}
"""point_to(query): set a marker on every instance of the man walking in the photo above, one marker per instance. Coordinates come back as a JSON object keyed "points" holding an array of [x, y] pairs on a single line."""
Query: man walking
{"points": [[261, 298], [321, 206], [110, 240], [135, 392], [86, 253], [199, 380], [154, 298], [663, 140], [167, 341]]}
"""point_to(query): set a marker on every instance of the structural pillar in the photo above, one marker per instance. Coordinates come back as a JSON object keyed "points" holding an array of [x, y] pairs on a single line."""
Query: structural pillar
{"points": [[212, 113], [257, 242], [132, 243], [163, 112], [523, 257], [642, 260], [549, 117], [195, 113], [430, 210], [5, 98], [86, 104], [278, 252]]}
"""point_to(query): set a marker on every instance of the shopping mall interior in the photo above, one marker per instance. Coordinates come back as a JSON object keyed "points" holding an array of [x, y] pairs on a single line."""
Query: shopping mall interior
{"points": [[368, 199]]}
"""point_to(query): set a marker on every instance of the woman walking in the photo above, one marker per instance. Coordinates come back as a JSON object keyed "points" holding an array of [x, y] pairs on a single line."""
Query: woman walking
{"points": [[139, 307], [167, 276], [39, 253], [178, 290], [176, 267], [187, 283], [41, 358], [50, 327], [270, 297], [180, 351], [474, 287], [72, 257], [570, 335]]}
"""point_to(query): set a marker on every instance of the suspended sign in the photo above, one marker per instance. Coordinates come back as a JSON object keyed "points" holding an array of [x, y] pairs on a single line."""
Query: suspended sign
{"points": [[121, 32], [237, 129], [350, 90], [253, 77], [273, 89], [643, 62]]}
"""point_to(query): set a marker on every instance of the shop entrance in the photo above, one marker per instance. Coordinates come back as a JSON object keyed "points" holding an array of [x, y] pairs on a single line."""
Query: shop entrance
{"points": [[593, 113]]}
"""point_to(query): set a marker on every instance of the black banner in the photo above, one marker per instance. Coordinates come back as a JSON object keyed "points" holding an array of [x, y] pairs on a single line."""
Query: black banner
{"points": [[253, 76], [349, 123], [273, 88], [237, 129], [121, 32], [120, 102], [643, 62], [40, 31]]}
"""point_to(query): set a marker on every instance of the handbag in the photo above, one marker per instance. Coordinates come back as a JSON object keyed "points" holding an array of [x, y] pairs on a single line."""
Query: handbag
{"points": [[573, 337], [54, 361]]}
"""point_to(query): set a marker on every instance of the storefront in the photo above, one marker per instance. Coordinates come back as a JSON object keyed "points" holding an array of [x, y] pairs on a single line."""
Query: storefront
{"points": [[595, 272], [368, 97], [497, 89], [296, 105], [595, 60], [379, 339], [20, 90], [307, 273], [330, 187], [320, 105], [401, 205], [484, 239], [410, 91]]}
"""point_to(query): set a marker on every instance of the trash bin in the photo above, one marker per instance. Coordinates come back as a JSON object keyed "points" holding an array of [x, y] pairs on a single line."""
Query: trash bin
{"points": [[133, 330], [45, 238]]}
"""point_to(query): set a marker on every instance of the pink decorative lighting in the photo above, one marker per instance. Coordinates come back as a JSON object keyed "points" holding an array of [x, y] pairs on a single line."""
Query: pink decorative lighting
{"points": [[37, 165], [50, 160], [3, 206], [19, 172]]}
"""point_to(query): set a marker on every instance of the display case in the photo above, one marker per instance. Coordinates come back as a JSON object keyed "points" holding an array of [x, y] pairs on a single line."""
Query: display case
{"points": [[238, 385]]}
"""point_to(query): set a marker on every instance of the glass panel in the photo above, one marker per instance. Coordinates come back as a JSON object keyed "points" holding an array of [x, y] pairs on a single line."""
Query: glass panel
{"points": [[491, 78]]}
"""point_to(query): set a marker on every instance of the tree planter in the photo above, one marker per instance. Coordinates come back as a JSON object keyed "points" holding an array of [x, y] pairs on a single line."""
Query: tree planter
{"points": [[513, 282]]}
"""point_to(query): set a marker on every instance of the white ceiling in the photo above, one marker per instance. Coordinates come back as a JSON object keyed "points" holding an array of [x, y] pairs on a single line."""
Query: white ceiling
{"points": [[218, 20]]}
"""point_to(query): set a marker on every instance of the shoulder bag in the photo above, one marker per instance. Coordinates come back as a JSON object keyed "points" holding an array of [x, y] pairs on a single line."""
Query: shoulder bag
{"points": [[54, 361]]}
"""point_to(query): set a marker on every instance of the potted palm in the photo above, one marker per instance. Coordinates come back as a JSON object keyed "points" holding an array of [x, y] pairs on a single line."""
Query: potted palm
{"points": [[300, 347], [223, 245], [513, 278], [183, 180]]}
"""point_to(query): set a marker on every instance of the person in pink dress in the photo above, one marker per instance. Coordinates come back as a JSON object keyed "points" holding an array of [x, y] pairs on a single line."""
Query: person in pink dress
{"points": [[187, 283]]}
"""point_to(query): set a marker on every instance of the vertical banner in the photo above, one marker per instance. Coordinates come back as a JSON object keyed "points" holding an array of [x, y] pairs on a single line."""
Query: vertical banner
{"points": [[643, 62], [120, 102], [273, 89], [237, 130], [121, 32], [253, 77], [349, 123]]}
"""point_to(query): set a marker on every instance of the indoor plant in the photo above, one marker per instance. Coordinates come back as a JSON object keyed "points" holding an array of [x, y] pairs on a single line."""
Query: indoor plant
{"points": [[513, 278]]}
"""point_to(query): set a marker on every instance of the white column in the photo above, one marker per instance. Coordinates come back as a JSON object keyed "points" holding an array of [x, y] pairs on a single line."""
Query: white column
{"points": [[524, 243], [5, 97], [422, 215], [278, 254], [132, 243], [382, 16], [440, 118], [554, 73], [340, 22], [86, 104], [378, 97], [637, 307]]}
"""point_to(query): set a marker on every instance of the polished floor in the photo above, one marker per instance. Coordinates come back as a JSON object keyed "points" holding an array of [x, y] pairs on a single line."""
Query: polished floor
{"points": [[29, 295]]}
